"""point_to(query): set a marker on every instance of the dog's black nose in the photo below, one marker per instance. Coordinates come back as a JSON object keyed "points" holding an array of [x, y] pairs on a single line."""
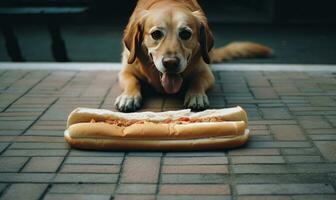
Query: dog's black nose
{"points": [[171, 63]]}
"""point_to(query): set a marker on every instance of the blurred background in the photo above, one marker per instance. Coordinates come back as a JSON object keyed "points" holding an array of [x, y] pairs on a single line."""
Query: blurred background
{"points": [[300, 31]]}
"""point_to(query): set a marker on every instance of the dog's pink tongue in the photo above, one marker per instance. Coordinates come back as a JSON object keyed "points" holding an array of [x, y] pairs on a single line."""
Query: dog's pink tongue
{"points": [[171, 83]]}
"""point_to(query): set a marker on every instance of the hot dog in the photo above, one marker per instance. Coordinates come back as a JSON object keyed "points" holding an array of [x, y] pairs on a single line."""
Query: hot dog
{"points": [[173, 130]]}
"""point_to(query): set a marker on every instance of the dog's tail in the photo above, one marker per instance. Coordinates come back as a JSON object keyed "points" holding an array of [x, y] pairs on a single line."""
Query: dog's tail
{"points": [[239, 50]]}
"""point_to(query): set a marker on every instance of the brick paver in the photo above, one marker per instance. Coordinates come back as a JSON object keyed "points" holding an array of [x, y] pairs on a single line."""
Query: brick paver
{"points": [[82, 188], [137, 189], [43, 164], [290, 156], [195, 189], [194, 169], [315, 188], [24, 191], [141, 170], [76, 196], [287, 132]]}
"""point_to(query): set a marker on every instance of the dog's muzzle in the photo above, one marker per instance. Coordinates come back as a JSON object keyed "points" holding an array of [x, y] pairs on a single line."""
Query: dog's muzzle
{"points": [[171, 79], [171, 64]]}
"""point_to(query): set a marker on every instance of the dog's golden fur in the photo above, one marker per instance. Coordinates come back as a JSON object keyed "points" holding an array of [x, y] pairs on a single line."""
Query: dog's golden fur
{"points": [[142, 55]]}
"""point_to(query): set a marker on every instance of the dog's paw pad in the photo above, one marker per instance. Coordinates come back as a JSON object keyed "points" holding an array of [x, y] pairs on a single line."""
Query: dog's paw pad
{"points": [[126, 103], [196, 101]]}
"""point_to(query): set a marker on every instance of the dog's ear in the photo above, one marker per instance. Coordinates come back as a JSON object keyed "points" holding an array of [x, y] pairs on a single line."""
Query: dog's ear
{"points": [[206, 38], [133, 37], [206, 43]]}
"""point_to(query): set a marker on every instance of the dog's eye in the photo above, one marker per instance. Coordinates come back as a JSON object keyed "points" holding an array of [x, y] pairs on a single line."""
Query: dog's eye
{"points": [[156, 35], [185, 35]]}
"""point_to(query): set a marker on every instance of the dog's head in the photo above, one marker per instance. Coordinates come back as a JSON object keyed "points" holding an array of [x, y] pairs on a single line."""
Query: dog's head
{"points": [[171, 38]]}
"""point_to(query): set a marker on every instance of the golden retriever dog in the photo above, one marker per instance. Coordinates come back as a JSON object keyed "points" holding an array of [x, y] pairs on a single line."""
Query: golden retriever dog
{"points": [[168, 44]]}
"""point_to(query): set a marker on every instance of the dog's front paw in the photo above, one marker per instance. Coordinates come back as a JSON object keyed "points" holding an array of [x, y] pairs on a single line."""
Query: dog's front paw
{"points": [[126, 103], [196, 101]]}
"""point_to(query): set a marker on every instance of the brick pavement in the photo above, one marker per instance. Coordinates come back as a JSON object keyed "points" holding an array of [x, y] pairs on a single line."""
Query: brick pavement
{"points": [[291, 155]]}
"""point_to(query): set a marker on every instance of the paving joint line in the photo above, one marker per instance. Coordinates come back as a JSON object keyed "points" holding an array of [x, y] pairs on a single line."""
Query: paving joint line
{"points": [[217, 75], [104, 97], [24, 165], [5, 149], [62, 163], [39, 117], [88, 84], [232, 177], [4, 191], [306, 135], [119, 176], [157, 189], [250, 90], [315, 147], [107, 93], [68, 81], [22, 77], [26, 92], [45, 191]]}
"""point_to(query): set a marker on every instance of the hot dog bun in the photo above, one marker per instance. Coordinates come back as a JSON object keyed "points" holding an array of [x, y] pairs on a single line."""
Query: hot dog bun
{"points": [[155, 134], [80, 115], [211, 143], [157, 131]]}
